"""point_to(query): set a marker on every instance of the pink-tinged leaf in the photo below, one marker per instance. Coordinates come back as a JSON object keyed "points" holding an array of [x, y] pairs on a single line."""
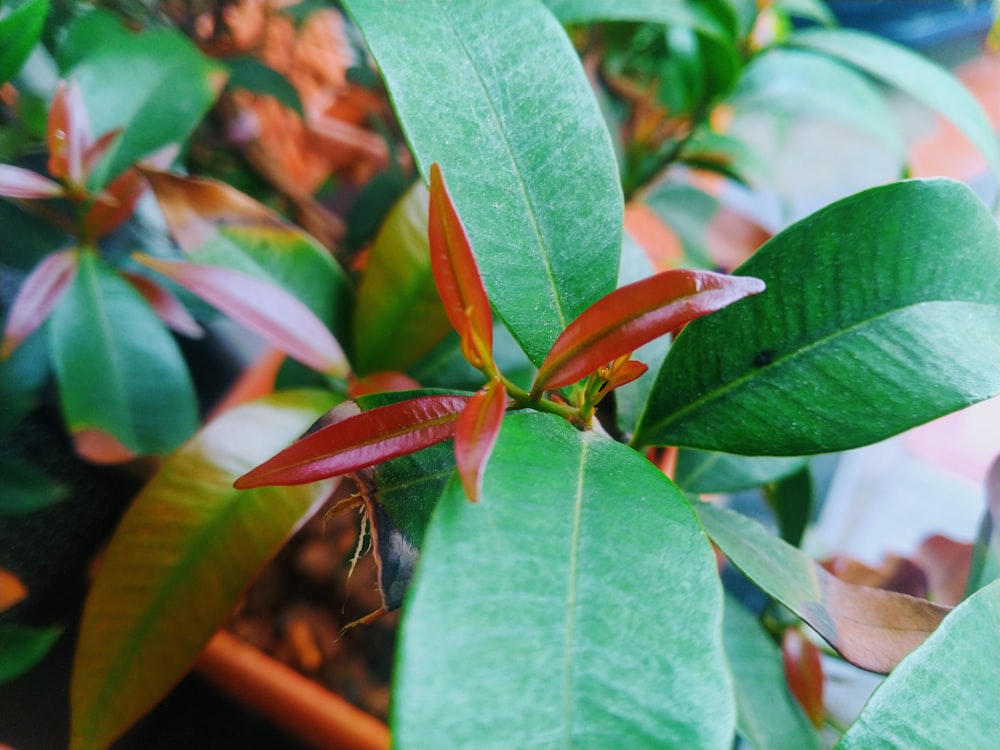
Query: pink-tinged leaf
{"points": [[381, 382], [360, 441], [96, 151], [476, 434], [16, 182], [68, 134], [264, 308], [634, 315], [457, 275], [166, 305], [804, 673], [100, 447], [118, 200], [39, 293]]}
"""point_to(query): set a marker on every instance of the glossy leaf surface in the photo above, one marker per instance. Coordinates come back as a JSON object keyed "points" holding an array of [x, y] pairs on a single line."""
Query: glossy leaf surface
{"points": [[476, 433], [20, 30], [263, 307], [155, 86], [915, 75], [708, 471], [767, 715], [547, 614], [947, 693], [456, 275], [523, 146], [124, 389], [871, 628], [361, 441], [634, 315], [38, 294], [880, 314], [217, 225], [398, 317], [180, 558]]}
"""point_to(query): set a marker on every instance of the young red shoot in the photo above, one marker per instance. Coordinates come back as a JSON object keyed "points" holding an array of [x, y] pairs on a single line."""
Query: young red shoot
{"points": [[804, 673], [634, 315], [360, 441], [457, 277], [476, 433]]}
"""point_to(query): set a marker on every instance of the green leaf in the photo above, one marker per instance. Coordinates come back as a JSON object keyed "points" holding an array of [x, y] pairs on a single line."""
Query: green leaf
{"points": [[947, 693], [708, 471], [120, 373], [791, 500], [398, 315], [185, 550], [767, 716], [156, 86], [801, 84], [496, 94], [23, 647], [565, 609], [812, 10], [20, 31], [881, 313], [712, 19], [985, 564], [252, 75], [27, 489], [912, 73], [871, 628]]}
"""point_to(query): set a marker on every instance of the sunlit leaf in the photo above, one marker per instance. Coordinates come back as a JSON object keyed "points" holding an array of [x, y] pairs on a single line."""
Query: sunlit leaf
{"points": [[635, 314], [525, 150], [398, 316], [37, 296], [457, 275], [864, 331], [946, 694], [476, 433], [124, 389], [361, 441], [185, 550], [523, 628], [264, 308], [16, 182], [871, 628]]}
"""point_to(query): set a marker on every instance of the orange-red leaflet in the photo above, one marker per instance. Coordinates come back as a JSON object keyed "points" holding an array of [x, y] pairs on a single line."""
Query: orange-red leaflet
{"points": [[68, 134], [456, 276], [476, 434], [634, 315], [39, 293], [804, 673], [360, 441]]}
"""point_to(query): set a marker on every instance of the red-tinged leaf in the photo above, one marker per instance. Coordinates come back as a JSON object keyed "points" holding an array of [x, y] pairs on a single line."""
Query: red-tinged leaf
{"points": [[117, 202], [804, 673], [264, 308], [16, 182], [39, 293], [166, 305], [634, 315], [476, 433], [360, 441], [256, 381], [100, 447], [381, 382], [457, 275], [12, 591], [68, 134], [625, 373], [98, 149]]}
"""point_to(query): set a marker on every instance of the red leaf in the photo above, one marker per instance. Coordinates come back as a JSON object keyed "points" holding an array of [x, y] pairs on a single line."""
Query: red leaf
{"points": [[39, 293], [16, 182], [623, 372], [360, 441], [804, 673], [476, 434], [166, 306], [634, 315], [68, 135], [117, 203], [457, 275], [264, 308]]}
